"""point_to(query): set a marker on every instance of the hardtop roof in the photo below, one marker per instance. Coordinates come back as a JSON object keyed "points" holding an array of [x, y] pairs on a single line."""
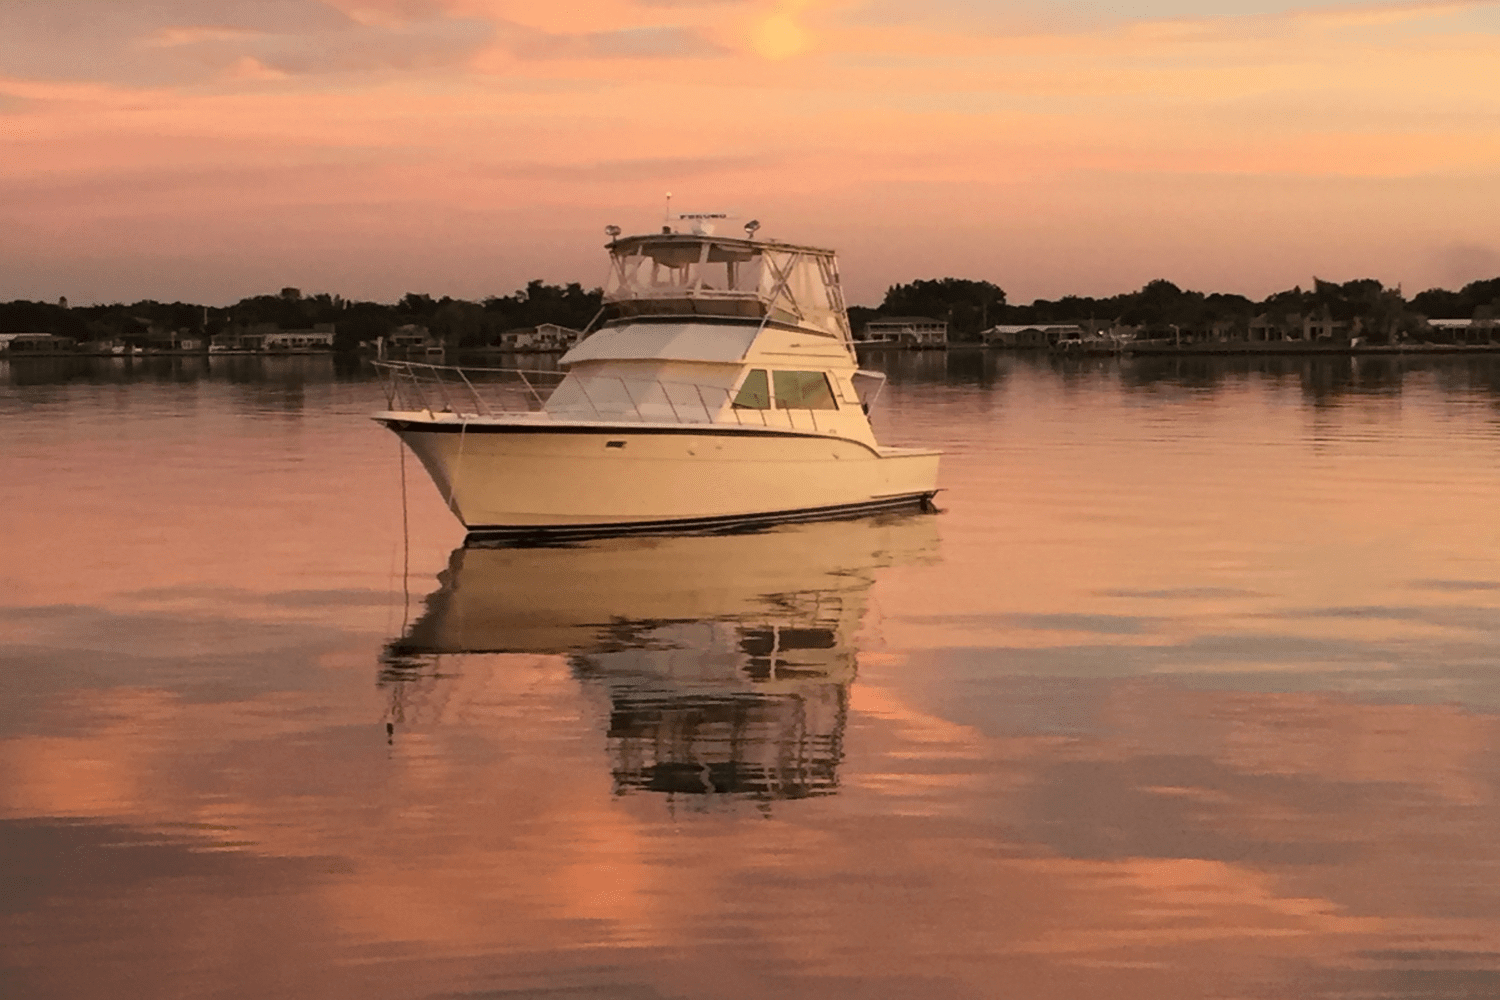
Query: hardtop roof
{"points": [[627, 243]]}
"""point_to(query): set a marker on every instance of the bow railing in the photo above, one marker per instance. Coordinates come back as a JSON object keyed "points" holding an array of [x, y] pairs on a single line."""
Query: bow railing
{"points": [[507, 392], [491, 392]]}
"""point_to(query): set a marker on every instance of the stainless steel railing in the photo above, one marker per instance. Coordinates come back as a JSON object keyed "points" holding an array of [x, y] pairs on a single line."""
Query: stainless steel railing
{"points": [[411, 385], [496, 392]]}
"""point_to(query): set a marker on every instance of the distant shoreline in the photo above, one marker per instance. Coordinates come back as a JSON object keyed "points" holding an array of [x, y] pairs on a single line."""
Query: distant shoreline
{"points": [[294, 352], [1281, 349], [1216, 348], [1172, 350]]}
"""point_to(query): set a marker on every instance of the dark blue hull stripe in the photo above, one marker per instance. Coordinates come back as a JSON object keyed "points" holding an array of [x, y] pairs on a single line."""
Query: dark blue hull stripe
{"points": [[695, 525], [618, 430]]}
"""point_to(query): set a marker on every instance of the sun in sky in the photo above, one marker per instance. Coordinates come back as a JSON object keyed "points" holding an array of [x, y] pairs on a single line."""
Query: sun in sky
{"points": [[778, 35]]}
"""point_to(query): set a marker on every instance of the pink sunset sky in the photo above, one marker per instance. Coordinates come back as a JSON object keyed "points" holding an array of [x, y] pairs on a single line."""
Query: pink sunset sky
{"points": [[207, 150]]}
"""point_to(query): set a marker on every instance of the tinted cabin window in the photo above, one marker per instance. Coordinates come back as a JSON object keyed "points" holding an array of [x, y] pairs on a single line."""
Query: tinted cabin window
{"points": [[803, 391], [754, 393]]}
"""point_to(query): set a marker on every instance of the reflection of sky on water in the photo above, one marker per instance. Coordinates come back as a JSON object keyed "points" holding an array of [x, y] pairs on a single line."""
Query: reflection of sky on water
{"points": [[1189, 693]]}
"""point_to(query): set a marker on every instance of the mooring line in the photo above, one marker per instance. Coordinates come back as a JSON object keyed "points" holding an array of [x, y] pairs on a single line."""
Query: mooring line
{"points": [[405, 543]]}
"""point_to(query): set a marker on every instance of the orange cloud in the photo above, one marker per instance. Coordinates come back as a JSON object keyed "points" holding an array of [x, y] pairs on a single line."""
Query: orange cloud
{"points": [[1381, 14], [248, 69], [168, 38]]}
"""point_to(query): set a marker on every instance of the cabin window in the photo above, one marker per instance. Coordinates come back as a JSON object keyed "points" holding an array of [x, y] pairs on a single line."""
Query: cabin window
{"points": [[755, 394], [803, 391]]}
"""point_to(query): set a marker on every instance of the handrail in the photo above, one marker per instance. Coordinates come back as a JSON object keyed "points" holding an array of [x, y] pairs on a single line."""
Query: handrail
{"points": [[686, 292], [494, 392]]}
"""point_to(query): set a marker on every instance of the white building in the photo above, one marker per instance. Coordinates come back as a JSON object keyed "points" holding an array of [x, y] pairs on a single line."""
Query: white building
{"points": [[907, 331], [1468, 331], [35, 343], [551, 336], [300, 340], [1032, 335]]}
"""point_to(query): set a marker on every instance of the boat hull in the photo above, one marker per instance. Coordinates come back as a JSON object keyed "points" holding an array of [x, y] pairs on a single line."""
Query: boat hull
{"points": [[528, 478]]}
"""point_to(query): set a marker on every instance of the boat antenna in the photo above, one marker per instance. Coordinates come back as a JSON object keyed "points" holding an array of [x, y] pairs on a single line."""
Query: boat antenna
{"points": [[666, 226]]}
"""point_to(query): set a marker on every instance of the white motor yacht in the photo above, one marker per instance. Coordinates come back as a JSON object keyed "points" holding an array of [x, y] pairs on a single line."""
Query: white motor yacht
{"points": [[724, 392]]}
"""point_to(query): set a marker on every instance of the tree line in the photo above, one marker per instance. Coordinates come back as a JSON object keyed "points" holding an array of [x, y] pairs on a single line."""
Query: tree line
{"points": [[969, 307], [455, 321]]}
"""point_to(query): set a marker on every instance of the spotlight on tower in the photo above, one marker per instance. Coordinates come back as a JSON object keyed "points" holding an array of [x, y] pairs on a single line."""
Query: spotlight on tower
{"points": [[751, 227], [613, 232]]}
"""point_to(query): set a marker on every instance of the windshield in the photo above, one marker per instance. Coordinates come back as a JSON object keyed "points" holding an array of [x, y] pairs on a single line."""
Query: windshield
{"points": [[653, 268], [674, 273]]}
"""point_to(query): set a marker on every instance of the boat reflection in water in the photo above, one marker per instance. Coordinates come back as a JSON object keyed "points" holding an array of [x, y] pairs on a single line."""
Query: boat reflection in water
{"points": [[725, 660]]}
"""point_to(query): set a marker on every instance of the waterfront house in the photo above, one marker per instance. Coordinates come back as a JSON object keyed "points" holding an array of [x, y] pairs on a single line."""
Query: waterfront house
{"points": [[1263, 328], [158, 339], [319, 338], [1324, 328], [412, 340], [1466, 331], [519, 339], [1266, 328], [269, 337], [1040, 335], [907, 331], [36, 343], [240, 339], [554, 337], [1226, 330], [543, 337]]}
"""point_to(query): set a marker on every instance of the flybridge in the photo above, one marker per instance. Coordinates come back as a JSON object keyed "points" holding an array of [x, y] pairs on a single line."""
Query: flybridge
{"points": [[699, 274]]}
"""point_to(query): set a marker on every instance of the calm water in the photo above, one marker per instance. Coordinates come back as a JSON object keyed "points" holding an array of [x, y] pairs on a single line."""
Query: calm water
{"points": [[1193, 690]]}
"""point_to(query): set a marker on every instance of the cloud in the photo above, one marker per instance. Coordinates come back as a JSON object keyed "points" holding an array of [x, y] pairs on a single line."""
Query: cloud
{"points": [[248, 69], [12, 105], [636, 170], [387, 13], [646, 43], [527, 43], [1089, 623], [1182, 594], [1475, 618], [170, 38], [1379, 14], [1180, 21], [174, 42], [420, 45], [1227, 26], [1463, 262], [1458, 586], [351, 597]]}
